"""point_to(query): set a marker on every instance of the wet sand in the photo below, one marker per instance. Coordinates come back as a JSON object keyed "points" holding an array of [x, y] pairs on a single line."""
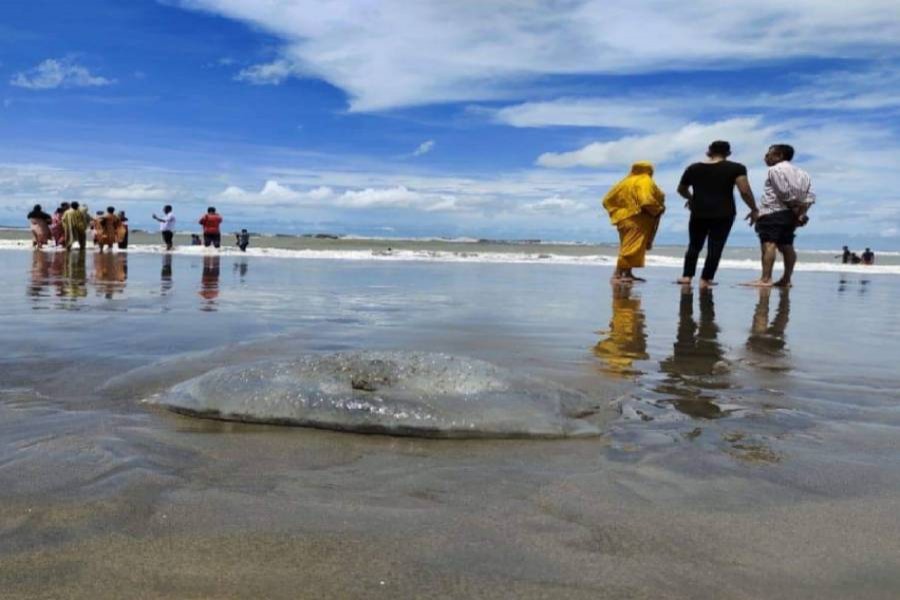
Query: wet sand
{"points": [[749, 446]]}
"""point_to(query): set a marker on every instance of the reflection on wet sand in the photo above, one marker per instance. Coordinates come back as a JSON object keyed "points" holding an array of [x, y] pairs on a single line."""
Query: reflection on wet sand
{"points": [[626, 339], [165, 274], [209, 282], [73, 282], [767, 339], [240, 268], [110, 273], [697, 360]]}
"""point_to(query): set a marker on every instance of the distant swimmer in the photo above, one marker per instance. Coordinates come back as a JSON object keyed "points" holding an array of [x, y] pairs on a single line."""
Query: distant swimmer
{"points": [[167, 226], [635, 206], [854, 258], [787, 197], [40, 226], [195, 240], [868, 257], [708, 188], [845, 255], [242, 240], [211, 222]]}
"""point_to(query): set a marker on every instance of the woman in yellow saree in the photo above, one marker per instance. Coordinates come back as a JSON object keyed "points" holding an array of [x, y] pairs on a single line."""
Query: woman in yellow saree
{"points": [[635, 206]]}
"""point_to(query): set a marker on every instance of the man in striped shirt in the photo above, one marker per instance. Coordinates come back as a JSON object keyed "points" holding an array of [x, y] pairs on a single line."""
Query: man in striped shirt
{"points": [[787, 197]]}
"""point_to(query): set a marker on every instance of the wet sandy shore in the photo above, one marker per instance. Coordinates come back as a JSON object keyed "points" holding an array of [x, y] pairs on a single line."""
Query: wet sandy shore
{"points": [[748, 450]]}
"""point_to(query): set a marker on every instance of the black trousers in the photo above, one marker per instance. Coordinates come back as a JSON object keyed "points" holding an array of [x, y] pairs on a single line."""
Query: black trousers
{"points": [[700, 229]]}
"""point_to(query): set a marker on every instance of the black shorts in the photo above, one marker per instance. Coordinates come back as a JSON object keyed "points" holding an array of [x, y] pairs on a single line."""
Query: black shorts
{"points": [[167, 237], [778, 228], [212, 238]]}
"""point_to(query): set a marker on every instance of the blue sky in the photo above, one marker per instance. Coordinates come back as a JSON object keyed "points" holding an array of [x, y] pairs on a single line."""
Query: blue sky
{"points": [[486, 119]]}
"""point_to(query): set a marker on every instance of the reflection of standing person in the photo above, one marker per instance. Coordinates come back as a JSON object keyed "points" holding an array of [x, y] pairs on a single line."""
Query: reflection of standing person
{"points": [[40, 226], [695, 356], [768, 338], [165, 274], [122, 231], [211, 222], [209, 281], [167, 226], [75, 223], [708, 188], [40, 273], [635, 205], [787, 197], [74, 278], [626, 340]]}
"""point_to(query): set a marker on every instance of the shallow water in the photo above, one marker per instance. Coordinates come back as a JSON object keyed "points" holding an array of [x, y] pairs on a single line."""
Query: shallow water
{"points": [[749, 445]]}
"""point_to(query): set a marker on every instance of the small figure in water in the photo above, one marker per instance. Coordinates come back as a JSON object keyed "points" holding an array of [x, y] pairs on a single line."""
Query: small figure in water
{"points": [[40, 226], [242, 239], [167, 225], [854, 258], [106, 228], [122, 232], [845, 256], [868, 257], [635, 206], [195, 240]]}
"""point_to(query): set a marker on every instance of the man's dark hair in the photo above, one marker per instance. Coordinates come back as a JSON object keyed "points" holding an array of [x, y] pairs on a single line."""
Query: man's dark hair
{"points": [[211, 209], [719, 148], [167, 208], [74, 205], [110, 209], [785, 150]]}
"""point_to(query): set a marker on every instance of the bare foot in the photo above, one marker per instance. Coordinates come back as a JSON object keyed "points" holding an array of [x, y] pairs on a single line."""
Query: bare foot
{"points": [[636, 278], [782, 283], [683, 281], [705, 284], [620, 280], [759, 283]]}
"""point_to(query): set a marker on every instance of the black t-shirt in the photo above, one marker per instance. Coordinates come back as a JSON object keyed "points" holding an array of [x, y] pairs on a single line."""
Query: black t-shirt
{"points": [[713, 187]]}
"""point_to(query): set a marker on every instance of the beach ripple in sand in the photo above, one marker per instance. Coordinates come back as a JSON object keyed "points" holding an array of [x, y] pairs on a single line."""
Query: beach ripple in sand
{"points": [[395, 393]]}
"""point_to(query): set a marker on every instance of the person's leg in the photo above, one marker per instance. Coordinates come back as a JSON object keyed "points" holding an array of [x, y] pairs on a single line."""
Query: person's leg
{"points": [[768, 252], [718, 236], [217, 240], [697, 232], [625, 262], [790, 259]]}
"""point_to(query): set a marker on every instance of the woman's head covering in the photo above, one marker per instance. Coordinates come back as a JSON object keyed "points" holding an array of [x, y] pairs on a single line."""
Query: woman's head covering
{"points": [[637, 190]]}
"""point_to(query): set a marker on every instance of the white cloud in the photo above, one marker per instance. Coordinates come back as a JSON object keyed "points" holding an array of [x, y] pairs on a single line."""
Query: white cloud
{"points": [[687, 141], [556, 205], [397, 53], [615, 112], [58, 73], [424, 148], [135, 191], [273, 73]]}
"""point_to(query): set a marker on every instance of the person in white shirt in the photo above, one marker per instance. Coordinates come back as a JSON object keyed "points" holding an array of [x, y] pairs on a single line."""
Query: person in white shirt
{"points": [[787, 196], [167, 225]]}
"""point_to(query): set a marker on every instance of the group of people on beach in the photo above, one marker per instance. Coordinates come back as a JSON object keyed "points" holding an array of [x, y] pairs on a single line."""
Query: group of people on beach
{"points": [[636, 205], [70, 223]]}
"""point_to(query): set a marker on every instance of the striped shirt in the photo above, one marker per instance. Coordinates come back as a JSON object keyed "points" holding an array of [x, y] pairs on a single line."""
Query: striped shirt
{"points": [[786, 187]]}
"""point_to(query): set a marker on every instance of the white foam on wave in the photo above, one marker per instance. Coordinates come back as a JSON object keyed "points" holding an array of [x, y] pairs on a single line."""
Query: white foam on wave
{"points": [[587, 260]]}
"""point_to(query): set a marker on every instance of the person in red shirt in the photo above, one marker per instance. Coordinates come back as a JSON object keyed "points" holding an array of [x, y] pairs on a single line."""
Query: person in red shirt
{"points": [[211, 222]]}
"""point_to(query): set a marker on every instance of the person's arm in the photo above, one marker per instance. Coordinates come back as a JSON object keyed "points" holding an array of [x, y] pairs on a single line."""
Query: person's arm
{"points": [[155, 218], [743, 186], [684, 188]]}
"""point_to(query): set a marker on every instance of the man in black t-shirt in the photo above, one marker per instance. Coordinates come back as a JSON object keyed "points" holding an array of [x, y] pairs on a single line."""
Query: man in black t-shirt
{"points": [[708, 188]]}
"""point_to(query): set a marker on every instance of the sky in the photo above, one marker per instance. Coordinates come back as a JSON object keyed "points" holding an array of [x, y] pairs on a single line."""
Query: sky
{"points": [[460, 118]]}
